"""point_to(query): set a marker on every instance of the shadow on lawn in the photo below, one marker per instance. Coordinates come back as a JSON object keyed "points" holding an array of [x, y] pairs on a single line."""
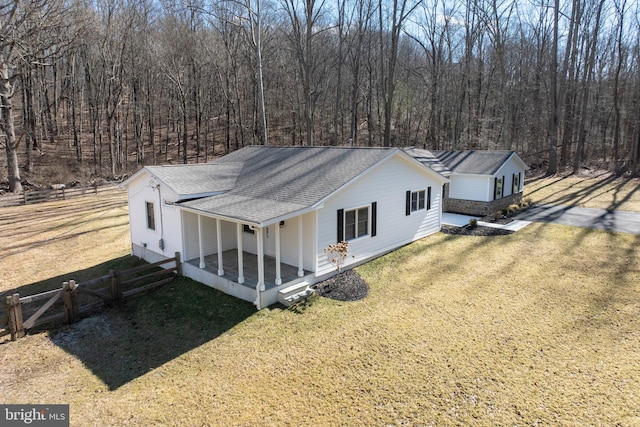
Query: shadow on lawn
{"points": [[136, 336], [121, 263], [580, 196]]}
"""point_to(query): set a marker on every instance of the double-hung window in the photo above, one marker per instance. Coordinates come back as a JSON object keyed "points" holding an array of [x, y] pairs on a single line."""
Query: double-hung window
{"points": [[357, 222], [417, 200], [516, 183], [498, 188], [151, 216]]}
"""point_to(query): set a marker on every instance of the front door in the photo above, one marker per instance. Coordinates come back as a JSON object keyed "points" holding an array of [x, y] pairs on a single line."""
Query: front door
{"points": [[270, 240]]}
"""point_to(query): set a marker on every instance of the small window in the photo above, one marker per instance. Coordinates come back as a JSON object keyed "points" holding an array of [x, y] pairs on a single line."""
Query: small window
{"points": [[151, 216], [417, 200], [356, 223], [248, 229]]}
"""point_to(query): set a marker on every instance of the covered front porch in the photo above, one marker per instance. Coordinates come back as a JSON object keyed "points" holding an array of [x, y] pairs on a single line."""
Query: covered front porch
{"points": [[249, 261], [288, 273]]}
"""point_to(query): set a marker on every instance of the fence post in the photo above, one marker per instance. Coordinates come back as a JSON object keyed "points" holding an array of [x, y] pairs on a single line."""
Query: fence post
{"points": [[14, 311], [178, 264], [116, 291], [70, 299], [24, 196]]}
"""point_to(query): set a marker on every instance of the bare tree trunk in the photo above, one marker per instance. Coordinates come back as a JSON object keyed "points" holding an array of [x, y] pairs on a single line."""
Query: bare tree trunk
{"points": [[48, 114], [588, 73], [552, 167], [29, 118], [618, 166], [337, 111], [636, 134], [255, 18], [568, 82], [185, 133], [11, 145]]}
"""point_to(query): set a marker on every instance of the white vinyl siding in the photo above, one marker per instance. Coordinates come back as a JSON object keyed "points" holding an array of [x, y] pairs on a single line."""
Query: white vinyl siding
{"points": [[508, 170], [471, 187], [166, 218], [289, 240], [386, 185], [209, 231], [482, 188]]}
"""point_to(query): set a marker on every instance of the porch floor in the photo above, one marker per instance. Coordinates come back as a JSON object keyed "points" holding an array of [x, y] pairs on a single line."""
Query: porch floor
{"points": [[250, 268]]}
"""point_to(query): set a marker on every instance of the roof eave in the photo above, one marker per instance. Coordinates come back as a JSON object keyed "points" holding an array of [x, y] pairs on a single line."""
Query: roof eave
{"points": [[259, 224], [513, 155]]}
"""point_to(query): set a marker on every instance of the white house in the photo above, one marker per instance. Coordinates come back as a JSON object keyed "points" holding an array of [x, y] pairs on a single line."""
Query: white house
{"points": [[255, 223], [481, 182]]}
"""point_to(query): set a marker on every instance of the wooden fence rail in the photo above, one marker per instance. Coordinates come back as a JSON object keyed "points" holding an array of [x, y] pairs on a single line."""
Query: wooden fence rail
{"points": [[56, 192], [115, 286]]}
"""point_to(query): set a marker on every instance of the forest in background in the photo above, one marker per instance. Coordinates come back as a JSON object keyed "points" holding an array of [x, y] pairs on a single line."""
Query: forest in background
{"points": [[105, 86]]}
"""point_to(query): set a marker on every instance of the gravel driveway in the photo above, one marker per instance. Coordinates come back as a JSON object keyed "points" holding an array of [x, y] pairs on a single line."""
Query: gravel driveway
{"points": [[601, 219]]}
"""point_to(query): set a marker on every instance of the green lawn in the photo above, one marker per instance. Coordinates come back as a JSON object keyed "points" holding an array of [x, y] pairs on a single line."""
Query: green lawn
{"points": [[536, 328]]}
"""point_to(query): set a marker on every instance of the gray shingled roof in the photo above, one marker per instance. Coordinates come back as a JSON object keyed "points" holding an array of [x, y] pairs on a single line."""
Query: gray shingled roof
{"points": [[276, 181], [198, 179], [426, 157], [474, 162]]}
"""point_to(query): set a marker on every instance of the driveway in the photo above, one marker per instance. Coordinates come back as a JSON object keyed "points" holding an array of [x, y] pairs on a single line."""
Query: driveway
{"points": [[601, 219]]}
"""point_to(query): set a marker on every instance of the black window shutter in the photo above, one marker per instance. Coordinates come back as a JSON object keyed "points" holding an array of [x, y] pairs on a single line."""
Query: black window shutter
{"points": [[428, 198], [495, 188], [374, 217], [407, 209], [340, 225]]}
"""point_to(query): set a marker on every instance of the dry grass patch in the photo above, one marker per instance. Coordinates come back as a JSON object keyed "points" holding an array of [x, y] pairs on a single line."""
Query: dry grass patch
{"points": [[40, 244], [603, 192], [539, 327]]}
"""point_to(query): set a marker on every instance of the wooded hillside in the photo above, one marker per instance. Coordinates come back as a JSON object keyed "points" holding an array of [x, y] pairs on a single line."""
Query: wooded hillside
{"points": [[98, 88]]}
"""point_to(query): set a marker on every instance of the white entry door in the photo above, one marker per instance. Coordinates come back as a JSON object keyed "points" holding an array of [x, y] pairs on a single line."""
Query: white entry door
{"points": [[270, 240]]}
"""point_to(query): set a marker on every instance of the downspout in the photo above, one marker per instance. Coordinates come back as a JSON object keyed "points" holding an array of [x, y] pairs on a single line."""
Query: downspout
{"points": [[161, 242]]}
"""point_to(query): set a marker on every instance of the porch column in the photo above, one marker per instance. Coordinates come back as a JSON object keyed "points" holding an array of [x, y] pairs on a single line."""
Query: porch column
{"points": [[200, 243], [300, 267], [278, 275], [240, 260], [219, 245], [260, 242]]}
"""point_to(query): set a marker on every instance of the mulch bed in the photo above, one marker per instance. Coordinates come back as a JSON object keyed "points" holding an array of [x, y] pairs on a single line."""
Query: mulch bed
{"points": [[346, 286], [477, 231]]}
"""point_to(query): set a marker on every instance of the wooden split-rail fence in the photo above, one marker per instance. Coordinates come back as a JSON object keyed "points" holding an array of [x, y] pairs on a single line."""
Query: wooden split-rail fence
{"points": [[56, 192], [73, 300]]}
